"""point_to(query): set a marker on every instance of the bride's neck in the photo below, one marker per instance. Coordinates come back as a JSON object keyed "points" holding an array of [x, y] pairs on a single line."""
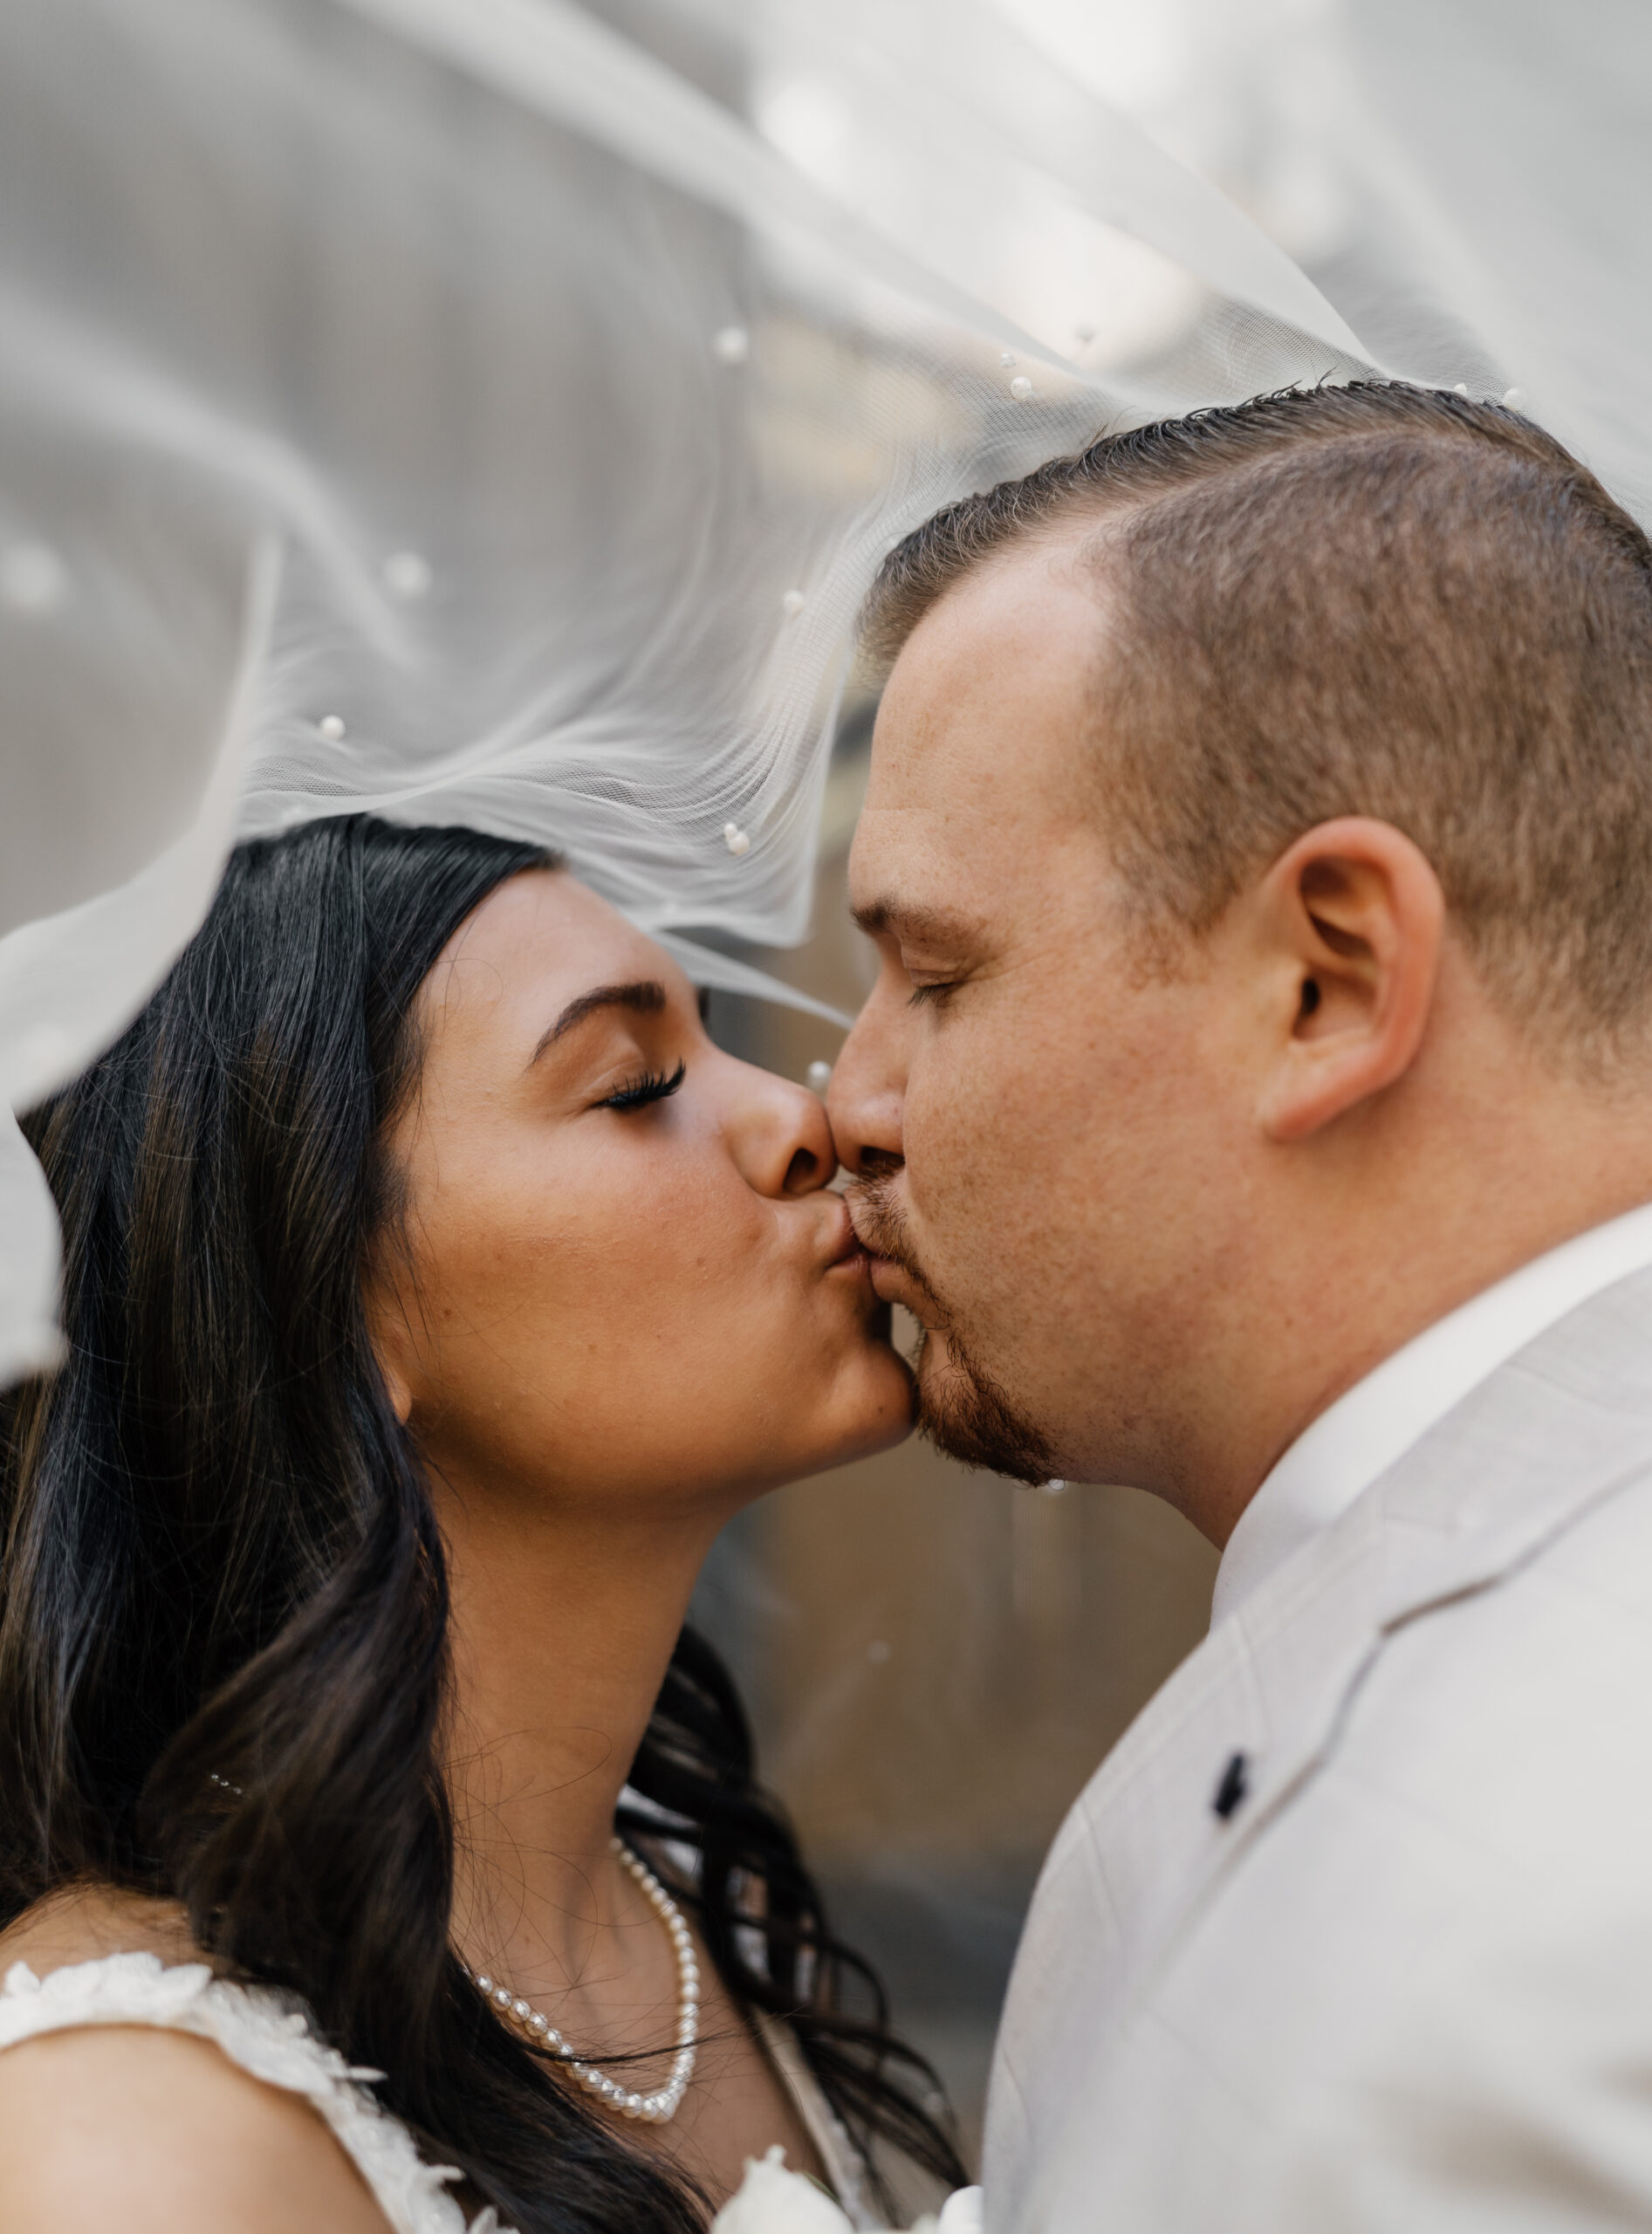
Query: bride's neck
{"points": [[563, 1625]]}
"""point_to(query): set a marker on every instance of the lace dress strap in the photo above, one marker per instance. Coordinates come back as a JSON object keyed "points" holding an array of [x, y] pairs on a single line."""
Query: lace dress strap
{"points": [[269, 2038]]}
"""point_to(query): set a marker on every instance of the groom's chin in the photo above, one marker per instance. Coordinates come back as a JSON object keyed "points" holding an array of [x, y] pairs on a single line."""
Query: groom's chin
{"points": [[965, 1413]]}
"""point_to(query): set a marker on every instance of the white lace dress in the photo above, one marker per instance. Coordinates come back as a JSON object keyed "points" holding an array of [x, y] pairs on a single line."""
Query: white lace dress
{"points": [[269, 2036]]}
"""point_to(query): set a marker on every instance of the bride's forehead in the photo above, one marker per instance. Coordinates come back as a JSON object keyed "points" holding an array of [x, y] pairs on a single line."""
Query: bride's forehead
{"points": [[542, 936], [547, 919]]}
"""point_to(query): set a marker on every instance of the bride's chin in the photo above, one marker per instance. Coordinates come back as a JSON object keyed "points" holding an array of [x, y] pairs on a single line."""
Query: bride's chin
{"points": [[880, 1340], [871, 1399], [892, 1409]]}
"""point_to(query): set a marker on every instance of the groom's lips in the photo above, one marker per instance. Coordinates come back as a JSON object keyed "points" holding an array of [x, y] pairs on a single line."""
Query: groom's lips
{"points": [[846, 1253], [887, 1275], [888, 1278], [891, 1281]]}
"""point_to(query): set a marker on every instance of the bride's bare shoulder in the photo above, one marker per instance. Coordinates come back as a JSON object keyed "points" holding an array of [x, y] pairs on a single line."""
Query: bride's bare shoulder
{"points": [[82, 1923], [138, 2127]]}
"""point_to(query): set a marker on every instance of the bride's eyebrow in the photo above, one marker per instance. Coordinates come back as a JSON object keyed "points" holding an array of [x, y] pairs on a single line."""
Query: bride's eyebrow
{"points": [[645, 996]]}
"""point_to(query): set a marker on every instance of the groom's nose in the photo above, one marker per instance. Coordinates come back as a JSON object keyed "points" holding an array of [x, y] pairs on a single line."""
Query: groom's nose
{"points": [[868, 1087]]}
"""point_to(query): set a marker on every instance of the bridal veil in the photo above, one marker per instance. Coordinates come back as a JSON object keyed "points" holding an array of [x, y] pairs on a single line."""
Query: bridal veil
{"points": [[493, 410]]}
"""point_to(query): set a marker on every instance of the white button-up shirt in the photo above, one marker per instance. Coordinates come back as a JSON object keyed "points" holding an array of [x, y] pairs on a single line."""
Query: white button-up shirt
{"points": [[1377, 1421]]}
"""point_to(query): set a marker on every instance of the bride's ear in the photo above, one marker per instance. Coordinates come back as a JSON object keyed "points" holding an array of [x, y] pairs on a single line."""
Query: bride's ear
{"points": [[1351, 919], [399, 1390], [391, 1338]]}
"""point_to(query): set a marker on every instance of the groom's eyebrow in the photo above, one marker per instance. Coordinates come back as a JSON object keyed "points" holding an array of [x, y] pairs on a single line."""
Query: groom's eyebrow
{"points": [[645, 996], [940, 926]]}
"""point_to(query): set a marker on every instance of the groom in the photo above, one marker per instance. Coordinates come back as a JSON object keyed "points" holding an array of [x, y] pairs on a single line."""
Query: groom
{"points": [[1255, 1105]]}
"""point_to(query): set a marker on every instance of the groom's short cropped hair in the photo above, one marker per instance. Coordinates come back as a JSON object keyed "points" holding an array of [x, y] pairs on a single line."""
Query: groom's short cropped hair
{"points": [[1374, 600]]}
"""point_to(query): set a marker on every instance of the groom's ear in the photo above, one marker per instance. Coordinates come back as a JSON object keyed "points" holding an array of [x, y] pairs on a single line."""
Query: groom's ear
{"points": [[1349, 922]]}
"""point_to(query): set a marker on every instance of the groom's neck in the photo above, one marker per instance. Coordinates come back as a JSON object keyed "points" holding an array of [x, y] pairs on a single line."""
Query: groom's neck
{"points": [[1480, 1166]]}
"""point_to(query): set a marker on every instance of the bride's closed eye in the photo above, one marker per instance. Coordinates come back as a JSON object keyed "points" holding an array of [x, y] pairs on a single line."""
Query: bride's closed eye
{"points": [[652, 1085]]}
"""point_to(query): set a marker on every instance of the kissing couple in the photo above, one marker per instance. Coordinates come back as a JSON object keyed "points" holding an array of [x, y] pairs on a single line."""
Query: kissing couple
{"points": [[1254, 1105]]}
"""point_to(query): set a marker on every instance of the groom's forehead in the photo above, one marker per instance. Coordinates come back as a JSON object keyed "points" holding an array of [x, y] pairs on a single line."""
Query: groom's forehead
{"points": [[953, 879], [982, 787], [987, 706], [923, 874]]}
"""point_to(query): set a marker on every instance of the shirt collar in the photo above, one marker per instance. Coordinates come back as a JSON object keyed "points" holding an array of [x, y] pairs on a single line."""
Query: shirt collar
{"points": [[1377, 1421]]}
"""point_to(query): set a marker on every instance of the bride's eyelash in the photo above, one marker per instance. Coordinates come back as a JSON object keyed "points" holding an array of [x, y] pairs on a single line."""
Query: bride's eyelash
{"points": [[652, 1085]]}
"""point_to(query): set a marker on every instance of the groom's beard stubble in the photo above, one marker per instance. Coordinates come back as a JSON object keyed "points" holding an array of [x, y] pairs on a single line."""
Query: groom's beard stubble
{"points": [[961, 1408]]}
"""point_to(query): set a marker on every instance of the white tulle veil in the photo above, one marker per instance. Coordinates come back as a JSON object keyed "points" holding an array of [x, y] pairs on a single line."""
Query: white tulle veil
{"points": [[493, 410]]}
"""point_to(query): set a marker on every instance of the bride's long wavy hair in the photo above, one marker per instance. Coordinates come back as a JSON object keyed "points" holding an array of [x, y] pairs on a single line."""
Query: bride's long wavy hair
{"points": [[224, 1602]]}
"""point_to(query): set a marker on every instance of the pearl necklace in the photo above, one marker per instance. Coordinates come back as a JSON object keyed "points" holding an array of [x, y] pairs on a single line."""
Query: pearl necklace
{"points": [[655, 2110]]}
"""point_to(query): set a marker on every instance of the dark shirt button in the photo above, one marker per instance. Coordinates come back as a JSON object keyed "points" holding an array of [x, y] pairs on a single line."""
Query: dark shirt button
{"points": [[1231, 1790]]}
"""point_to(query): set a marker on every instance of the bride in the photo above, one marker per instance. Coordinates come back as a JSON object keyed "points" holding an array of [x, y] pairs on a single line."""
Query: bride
{"points": [[377, 1846]]}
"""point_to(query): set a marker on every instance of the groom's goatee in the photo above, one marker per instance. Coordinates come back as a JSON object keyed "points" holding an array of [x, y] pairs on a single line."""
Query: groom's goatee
{"points": [[962, 1408]]}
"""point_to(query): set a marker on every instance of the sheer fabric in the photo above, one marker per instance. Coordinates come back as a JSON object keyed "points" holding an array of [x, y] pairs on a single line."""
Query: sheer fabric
{"points": [[493, 410]]}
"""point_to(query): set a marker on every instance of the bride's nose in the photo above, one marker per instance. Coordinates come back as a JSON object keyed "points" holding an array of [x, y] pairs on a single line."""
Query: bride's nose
{"points": [[778, 1133]]}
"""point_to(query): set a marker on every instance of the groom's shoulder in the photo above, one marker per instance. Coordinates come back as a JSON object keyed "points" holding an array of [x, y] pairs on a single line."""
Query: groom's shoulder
{"points": [[1507, 1709], [1490, 1681], [1524, 1681], [1473, 1639]]}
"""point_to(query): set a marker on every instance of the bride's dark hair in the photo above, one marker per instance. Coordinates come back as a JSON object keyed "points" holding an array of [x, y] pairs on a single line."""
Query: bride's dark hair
{"points": [[223, 1606]]}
